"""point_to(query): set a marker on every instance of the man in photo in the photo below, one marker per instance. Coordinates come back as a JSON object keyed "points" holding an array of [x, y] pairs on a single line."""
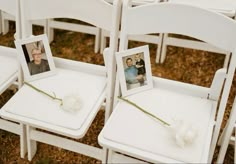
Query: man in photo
{"points": [[131, 75], [37, 65]]}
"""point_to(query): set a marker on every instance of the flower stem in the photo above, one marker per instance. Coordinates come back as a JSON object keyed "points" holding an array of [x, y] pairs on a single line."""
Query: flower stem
{"points": [[39, 90], [140, 108]]}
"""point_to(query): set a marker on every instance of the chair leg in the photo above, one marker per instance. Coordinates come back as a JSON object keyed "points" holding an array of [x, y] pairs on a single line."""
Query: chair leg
{"points": [[163, 48], [49, 31], [103, 41], [97, 41], [0, 22], [109, 158], [31, 144], [219, 143], [105, 153], [23, 142], [5, 26], [158, 51], [235, 143], [225, 142], [226, 62]]}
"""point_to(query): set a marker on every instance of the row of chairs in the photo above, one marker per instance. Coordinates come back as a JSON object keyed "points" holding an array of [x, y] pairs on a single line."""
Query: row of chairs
{"points": [[51, 24], [127, 131], [227, 8]]}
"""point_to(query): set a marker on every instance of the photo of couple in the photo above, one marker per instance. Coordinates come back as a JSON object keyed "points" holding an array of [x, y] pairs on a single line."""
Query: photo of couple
{"points": [[135, 71]]}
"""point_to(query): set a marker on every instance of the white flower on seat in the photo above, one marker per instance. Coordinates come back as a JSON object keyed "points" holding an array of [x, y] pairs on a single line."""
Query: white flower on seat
{"points": [[71, 103], [184, 133]]}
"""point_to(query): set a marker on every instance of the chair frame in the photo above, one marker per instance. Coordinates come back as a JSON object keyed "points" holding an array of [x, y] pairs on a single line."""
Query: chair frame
{"points": [[87, 29], [198, 45], [112, 23], [128, 25], [12, 7], [226, 137], [153, 39], [10, 16]]}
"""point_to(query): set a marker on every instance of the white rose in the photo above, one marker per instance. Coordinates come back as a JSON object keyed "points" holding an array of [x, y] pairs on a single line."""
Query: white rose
{"points": [[184, 133], [71, 103]]}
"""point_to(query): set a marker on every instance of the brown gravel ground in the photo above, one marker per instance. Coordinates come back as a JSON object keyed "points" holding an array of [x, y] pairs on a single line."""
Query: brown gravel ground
{"points": [[182, 64]]}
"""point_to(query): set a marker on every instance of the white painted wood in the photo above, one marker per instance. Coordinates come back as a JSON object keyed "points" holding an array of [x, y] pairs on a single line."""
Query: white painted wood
{"points": [[223, 102], [84, 10], [52, 24], [10, 126], [188, 89], [192, 44], [10, 71], [142, 133], [32, 145], [223, 7], [80, 66], [153, 39], [227, 133], [92, 82], [217, 83], [119, 158], [66, 144], [6, 17], [23, 140], [9, 6], [0, 22], [180, 28], [131, 132]]}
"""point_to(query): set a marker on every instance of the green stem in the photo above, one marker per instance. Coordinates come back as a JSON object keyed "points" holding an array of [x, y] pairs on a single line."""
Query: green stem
{"points": [[140, 108], [39, 90]]}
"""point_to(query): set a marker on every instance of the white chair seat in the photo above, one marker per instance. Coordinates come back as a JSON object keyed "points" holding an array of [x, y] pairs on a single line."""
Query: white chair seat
{"points": [[224, 7], [39, 110], [130, 130], [9, 66]]}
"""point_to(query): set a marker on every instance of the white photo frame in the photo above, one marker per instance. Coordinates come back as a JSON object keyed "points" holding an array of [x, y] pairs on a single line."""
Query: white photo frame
{"points": [[35, 57], [134, 70]]}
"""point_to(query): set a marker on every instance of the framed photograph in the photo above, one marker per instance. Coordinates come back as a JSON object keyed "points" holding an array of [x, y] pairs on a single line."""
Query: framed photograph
{"points": [[134, 70], [35, 57]]}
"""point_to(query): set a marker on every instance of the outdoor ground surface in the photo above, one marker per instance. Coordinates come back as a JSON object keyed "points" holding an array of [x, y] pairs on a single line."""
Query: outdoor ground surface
{"points": [[186, 65]]}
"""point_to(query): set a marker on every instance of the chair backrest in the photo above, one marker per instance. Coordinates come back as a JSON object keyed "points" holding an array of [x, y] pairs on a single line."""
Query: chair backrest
{"points": [[135, 21], [96, 12], [9, 55], [9, 6], [12, 7], [190, 21]]}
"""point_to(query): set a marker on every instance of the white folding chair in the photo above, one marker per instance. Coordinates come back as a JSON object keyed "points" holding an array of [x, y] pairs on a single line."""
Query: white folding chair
{"points": [[10, 16], [226, 137], [131, 132], [221, 6], [76, 27], [91, 81], [153, 39], [10, 74]]}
